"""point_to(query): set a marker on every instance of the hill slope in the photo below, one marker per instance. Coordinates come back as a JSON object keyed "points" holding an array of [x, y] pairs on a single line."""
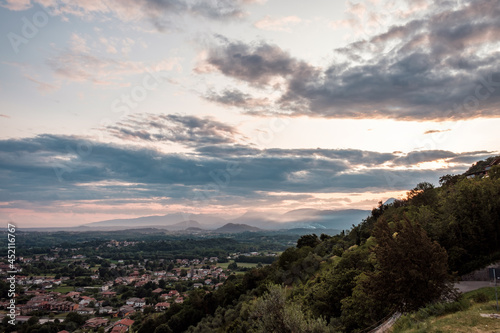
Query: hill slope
{"points": [[232, 228]]}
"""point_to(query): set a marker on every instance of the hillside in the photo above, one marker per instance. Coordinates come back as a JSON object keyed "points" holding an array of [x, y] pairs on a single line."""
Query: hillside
{"points": [[232, 228], [168, 220], [470, 314], [352, 281]]}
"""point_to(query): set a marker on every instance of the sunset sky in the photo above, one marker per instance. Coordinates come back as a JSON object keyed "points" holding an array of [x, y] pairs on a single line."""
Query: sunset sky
{"points": [[126, 108]]}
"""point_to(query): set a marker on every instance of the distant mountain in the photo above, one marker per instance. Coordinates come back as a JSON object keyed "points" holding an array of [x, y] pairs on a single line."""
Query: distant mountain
{"points": [[185, 225], [390, 201], [233, 228], [300, 213], [194, 229], [260, 220], [325, 219], [311, 219], [168, 220]]}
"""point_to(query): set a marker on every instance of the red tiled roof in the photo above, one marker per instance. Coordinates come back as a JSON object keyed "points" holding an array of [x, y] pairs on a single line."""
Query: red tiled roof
{"points": [[125, 322]]}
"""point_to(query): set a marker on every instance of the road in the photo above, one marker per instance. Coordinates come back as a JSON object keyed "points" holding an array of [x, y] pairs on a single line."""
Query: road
{"points": [[466, 286]]}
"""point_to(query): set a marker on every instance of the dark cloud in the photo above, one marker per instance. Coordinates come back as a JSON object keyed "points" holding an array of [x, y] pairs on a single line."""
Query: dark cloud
{"points": [[471, 157], [183, 129], [423, 156], [163, 14], [439, 67], [256, 64], [354, 156], [237, 98], [58, 168], [219, 9]]}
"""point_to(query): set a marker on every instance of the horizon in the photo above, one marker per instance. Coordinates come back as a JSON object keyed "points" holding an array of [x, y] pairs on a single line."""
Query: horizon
{"points": [[117, 110]]}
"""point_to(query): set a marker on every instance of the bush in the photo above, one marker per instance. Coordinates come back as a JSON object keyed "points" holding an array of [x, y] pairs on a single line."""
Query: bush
{"points": [[480, 297], [415, 320]]}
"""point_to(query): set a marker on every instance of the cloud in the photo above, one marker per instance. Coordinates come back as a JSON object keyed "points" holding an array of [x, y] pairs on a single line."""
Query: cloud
{"points": [[79, 64], [237, 98], [16, 5], [162, 14], [43, 87], [182, 129], [437, 67], [278, 24], [256, 64], [417, 157], [436, 131]]}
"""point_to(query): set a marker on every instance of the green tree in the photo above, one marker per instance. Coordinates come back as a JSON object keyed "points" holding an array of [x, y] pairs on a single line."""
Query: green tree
{"points": [[308, 240], [163, 328], [412, 270], [33, 320], [273, 313], [75, 318]]}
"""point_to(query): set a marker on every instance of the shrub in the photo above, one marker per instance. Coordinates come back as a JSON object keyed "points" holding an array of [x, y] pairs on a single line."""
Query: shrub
{"points": [[480, 297]]}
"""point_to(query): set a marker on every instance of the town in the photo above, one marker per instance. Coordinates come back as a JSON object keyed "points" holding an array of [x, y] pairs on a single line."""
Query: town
{"points": [[107, 295]]}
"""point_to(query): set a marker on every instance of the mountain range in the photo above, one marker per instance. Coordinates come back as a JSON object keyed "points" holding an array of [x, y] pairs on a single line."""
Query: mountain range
{"points": [[300, 219]]}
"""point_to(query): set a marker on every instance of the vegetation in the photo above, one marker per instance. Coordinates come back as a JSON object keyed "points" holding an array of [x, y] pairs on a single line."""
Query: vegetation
{"points": [[463, 315]]}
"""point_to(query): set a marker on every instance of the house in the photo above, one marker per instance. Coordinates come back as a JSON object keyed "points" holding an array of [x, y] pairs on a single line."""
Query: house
{"points": [[125, 311], [106, 310], [136, 302], [85, 311], [85, 301], [162, 306], [484, 172], [108, 294], [96, 322], [120, 325], [119, 329], [157, 290], [197, 285], [179, 300], [73, 294], [60, 306]]}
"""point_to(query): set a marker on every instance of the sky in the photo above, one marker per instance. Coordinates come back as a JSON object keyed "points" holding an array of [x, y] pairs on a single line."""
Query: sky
{"points": [[127, 108]]}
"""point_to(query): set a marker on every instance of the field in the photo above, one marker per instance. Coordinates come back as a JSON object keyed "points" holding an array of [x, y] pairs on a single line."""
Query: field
{"points": [[63, 289], [240, 264]]}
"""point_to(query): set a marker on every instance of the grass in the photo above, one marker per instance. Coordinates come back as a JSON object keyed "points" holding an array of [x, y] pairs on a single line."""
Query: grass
{"points": [[95, 268], [462, 316], [240, 264], [63, 289]]}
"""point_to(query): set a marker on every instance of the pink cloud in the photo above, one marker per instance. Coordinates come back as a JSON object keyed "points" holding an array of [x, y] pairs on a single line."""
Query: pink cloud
{"points": [[17, 5], [278, 24]]}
